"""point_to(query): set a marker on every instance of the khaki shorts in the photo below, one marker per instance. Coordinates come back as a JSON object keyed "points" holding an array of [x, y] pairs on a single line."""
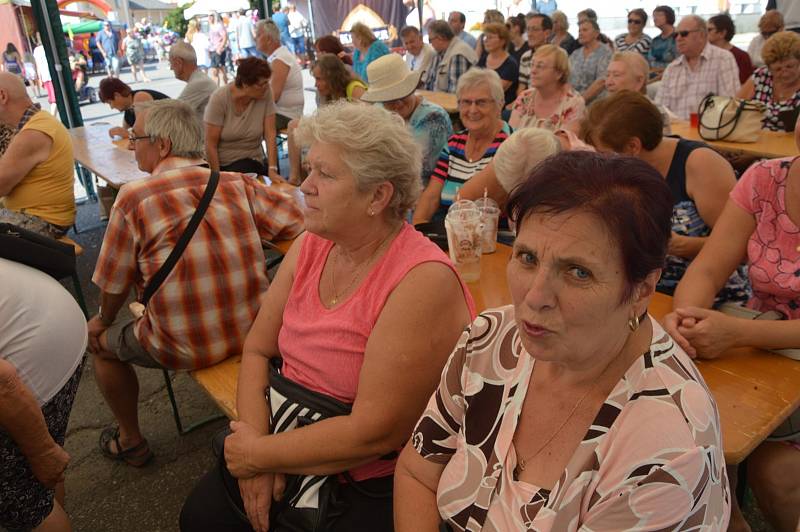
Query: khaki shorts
{"points": [[122, 341]]}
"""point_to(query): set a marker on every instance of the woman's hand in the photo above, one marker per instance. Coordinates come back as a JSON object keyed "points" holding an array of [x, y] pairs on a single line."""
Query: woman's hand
{"points": [[257, 494], [48, 466], [239, 450], [95, 328], [671, 322], [710, 333], [677, 245]]}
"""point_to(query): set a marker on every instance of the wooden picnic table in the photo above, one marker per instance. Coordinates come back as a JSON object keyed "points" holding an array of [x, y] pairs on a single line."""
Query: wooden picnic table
{"points": [[770, 145], [109, 160], [755, 390], [446, 100]]}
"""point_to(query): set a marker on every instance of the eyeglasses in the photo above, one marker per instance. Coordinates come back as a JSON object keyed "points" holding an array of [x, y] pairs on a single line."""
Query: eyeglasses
{"points": [[132, 138], [685, 33], [480, 103], [635, 21], [540, 66]]}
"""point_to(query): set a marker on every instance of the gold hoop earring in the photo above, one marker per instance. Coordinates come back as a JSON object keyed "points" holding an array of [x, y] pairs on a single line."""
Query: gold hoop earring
{"points": [[633, 323]]}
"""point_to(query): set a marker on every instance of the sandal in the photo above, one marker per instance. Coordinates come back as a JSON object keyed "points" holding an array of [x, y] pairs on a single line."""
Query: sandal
{"points": [[136, 456]]}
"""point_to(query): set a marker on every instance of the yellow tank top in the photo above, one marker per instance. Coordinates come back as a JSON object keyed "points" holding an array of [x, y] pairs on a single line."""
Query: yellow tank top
{"points": [[47, 190], [351, 86]]}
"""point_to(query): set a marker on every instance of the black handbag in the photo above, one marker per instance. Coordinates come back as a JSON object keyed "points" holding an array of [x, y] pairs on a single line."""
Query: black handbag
{"points": [[54, 258]]}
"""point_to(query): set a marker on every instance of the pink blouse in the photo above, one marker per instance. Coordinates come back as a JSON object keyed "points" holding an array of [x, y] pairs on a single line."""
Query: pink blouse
{"points": [[773, 250], [323, 349]]}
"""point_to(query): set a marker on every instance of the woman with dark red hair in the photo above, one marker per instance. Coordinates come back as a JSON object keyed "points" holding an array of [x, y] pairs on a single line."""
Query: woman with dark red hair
{"points": [[561, 411], [238, 117], [330, 44], [119, 96]]}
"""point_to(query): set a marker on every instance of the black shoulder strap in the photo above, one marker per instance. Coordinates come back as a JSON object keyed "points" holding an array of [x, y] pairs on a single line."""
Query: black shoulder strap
{"points": [[166, 268]]}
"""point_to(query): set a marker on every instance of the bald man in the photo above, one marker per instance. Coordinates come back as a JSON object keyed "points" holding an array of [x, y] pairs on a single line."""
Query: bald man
{"points": [[36, 171]]}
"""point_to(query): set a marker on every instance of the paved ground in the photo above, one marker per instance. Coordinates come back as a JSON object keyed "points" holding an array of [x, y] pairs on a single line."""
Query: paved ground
{"points": [[104, 496]]}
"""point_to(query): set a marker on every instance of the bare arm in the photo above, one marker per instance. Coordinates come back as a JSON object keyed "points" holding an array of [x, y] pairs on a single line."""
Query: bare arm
{"points": [[261, 344], [408, 365], [428, 202], [270, 136], [22, 419], [27, 149], [213, 134], [358, 92], [709, 180], [594, 89], [415, 484], [748, 90], [485, 180], [280, 72]]}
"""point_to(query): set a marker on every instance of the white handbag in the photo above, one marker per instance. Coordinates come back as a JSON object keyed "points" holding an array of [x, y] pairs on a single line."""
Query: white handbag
{"points": [[731, 119]]}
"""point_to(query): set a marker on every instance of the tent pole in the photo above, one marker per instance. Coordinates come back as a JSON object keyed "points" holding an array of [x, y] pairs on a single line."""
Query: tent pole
{"points": [[311, 20], [419, 12], [57, 59]]}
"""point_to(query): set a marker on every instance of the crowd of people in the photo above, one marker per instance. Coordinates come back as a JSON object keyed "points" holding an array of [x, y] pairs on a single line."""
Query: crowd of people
{"points": [[536, 415]]}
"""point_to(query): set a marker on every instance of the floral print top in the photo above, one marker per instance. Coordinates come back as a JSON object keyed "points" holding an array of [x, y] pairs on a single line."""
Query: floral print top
{"points": [[651, 459], [762, 84], [773, 250], [570, 111]]}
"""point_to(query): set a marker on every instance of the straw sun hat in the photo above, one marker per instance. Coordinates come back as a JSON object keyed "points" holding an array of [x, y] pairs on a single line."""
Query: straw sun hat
{"points": [[390, 79]]}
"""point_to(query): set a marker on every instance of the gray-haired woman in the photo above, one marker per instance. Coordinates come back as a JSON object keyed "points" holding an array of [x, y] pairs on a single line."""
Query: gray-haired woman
{"points": [[338, 316], [480, 100]]}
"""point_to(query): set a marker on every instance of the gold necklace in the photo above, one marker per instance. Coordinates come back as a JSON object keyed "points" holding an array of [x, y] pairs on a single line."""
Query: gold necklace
{"points": [[521, 462], [359, 271]]}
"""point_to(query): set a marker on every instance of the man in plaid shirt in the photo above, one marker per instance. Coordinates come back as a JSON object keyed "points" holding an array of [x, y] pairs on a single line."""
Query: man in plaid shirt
{"points": [[701, 69], [204, 309], [453, 58]]}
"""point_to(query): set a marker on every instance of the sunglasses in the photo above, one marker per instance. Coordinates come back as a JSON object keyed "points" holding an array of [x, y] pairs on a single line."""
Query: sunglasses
{"points": [[634, 21], [684, 33]]}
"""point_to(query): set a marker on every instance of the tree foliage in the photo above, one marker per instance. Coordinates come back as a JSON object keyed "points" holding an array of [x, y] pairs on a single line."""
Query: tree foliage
{"points": [[175, 20]]}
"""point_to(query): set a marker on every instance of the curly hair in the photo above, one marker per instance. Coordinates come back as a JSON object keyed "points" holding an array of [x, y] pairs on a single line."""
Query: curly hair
{"points": [[782, 45], [376, 146]]}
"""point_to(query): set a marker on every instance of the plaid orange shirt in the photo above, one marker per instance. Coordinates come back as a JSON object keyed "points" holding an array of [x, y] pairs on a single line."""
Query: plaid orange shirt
{"points": [[204, 309]]}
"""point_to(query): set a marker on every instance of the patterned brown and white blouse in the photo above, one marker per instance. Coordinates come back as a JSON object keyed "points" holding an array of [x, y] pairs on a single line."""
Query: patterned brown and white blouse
{"points": [[651, 460]]}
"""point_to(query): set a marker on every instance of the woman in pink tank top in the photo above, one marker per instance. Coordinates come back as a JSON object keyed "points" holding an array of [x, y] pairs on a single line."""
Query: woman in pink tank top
{"points": [[364, 310]]}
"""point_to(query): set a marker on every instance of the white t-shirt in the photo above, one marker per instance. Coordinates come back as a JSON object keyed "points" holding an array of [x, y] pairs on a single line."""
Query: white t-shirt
{"points": [[292, 99], [244, 32], [42, 329], [41, 63], [200, 45], [421, 61]]}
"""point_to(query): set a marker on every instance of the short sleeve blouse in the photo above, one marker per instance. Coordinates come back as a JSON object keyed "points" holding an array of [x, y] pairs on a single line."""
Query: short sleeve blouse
{"points": [[772, 250], [571, 109], [656, 438]]}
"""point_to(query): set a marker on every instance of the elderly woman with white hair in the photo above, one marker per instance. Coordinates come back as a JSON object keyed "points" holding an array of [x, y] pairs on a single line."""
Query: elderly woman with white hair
{"points": [[515, 160], [629, 71], [480, 100], [286, 80], [336, 322]]}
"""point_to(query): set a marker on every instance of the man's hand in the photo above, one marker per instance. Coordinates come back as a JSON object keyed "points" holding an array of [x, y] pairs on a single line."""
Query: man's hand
{"points": [[96, 328], [239, 450], [49, 465], [710, 332]]}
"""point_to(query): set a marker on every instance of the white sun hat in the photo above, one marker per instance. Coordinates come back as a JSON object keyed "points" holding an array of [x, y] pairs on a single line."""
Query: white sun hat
{"points": [[390, 79]]}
